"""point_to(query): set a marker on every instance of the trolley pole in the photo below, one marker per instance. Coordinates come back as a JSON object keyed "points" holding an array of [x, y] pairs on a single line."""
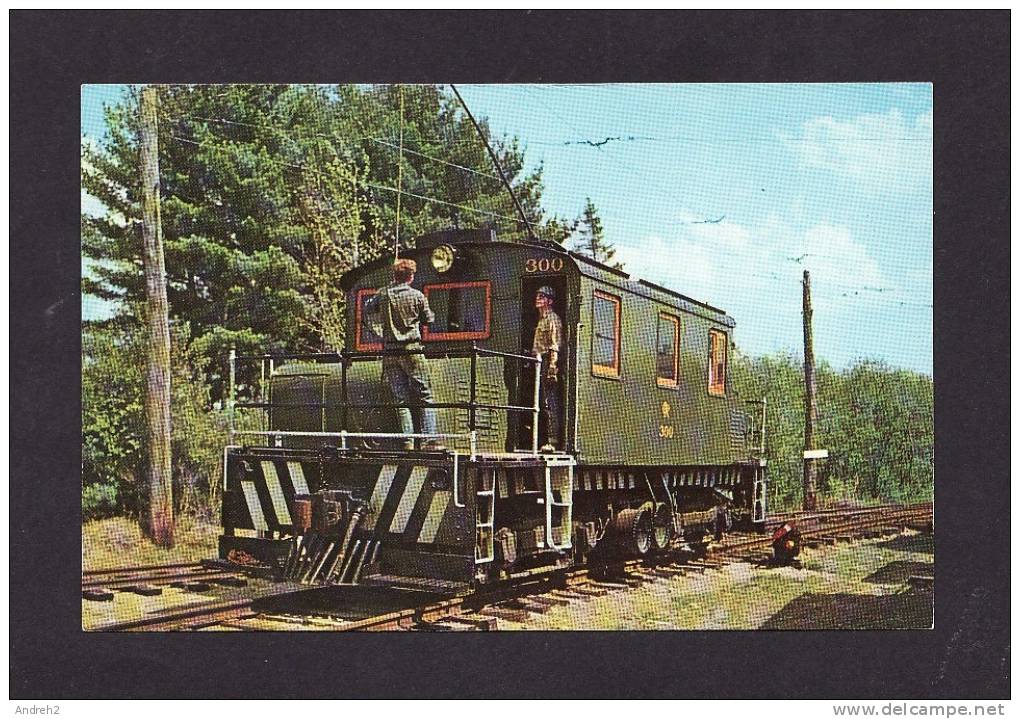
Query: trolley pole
{"points": [[810, 407], [157, 395]]}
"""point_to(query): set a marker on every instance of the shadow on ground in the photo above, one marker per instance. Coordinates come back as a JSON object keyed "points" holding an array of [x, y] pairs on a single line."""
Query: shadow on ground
{"points": [[854, 611], [346, 602], [920, 543], [900, 572]]}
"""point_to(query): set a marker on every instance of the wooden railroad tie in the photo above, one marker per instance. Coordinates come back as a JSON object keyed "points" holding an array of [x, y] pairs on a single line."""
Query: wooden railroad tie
{"points": [[667, 573], [97, 595], [231, 581], [194, 586], [441, 625], [591, 591], [513, 615], [548, 600], [145, 590], [527, 604], [616, 581], [579, 592], [481, 624], [702, 565], [567, 594]]}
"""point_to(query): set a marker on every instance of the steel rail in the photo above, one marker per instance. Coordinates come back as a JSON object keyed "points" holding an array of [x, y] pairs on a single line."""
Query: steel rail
{"points": [[200, 575], [580, 575], [856, 520], [140, 568]]}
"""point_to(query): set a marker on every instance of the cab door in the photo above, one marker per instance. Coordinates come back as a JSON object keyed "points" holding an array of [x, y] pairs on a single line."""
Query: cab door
{"points": [[530, 284]]}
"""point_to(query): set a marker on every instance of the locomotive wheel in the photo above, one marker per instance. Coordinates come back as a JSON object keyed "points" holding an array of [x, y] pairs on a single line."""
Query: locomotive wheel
{"points": [[634, 530], [662, 526]]}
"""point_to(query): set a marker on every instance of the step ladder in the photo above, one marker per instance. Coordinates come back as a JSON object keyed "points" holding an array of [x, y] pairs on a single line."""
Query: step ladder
{"points": [[760, 495], [559, 480], [485, 516]]}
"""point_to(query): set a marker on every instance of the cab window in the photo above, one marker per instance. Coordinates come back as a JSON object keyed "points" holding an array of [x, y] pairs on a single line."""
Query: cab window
{"points": [[717, 363], [667, 351], [368, 327], [463, 311], [605, 350]]}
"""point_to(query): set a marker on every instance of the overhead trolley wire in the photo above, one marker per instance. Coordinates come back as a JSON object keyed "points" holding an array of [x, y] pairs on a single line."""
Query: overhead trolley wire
{"points": [[363, 183], [335, 137]]}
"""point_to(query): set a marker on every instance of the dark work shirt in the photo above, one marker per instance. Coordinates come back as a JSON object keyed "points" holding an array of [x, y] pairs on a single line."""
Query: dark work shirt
{"points": [[400, 310]]}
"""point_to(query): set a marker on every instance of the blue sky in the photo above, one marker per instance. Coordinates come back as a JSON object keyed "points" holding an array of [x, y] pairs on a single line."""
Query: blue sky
{"points": [[836, 179]]}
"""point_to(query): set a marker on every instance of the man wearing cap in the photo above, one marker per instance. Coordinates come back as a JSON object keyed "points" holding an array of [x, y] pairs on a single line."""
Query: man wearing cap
{"points": [[401, 310], [547, 342]]}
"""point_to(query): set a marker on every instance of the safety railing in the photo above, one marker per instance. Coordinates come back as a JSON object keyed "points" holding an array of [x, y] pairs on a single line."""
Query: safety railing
{"points": [[269, 364], [758, 424]]}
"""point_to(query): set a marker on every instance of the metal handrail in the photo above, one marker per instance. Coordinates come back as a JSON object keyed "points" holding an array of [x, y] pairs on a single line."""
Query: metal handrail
{"points": [[345, 357], [365, 355], [344, 435], [380, 405], [764, 402]]}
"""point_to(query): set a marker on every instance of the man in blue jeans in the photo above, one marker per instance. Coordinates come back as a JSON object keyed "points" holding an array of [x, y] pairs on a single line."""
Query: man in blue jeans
{"points": [[401, 310]]}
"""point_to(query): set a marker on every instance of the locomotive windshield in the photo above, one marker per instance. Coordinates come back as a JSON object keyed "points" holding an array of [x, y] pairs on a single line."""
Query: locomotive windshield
{"points": [[369, 325], [462, 311]]}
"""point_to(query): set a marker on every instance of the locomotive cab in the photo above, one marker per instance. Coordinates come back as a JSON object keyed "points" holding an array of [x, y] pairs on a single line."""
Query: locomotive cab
{"points": [[325, 491]]}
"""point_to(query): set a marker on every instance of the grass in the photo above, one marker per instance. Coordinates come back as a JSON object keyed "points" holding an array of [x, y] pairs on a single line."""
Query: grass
{"points": [[119, 542], [739, 596]]}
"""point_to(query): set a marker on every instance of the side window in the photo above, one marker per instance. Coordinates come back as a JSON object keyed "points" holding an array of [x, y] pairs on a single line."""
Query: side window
{"points": [[463, 311], [368, 325], [667, 352], [605, 341], [717, 363]]}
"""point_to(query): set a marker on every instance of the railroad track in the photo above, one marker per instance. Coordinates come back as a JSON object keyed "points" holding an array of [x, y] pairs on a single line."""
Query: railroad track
{"points": [[236, 599], [180, 596], [516, 602], [132, 577]]}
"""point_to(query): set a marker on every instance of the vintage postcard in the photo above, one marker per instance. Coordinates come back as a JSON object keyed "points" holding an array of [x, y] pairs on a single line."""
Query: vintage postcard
{"points": [[507, 357]]}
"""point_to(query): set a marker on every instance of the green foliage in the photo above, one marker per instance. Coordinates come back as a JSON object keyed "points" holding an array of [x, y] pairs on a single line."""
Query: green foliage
{"points": [[271, 192], [592, 240], [113, 422], [98, 501], [877, 423]]}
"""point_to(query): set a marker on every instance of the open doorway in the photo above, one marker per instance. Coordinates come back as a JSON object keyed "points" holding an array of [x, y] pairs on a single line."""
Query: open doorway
{"points": [[526, 387]]}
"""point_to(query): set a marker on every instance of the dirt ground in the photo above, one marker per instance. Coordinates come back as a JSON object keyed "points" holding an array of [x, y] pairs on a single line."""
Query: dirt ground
{"points": [[848, 586], [833, 588], [119, 542]]}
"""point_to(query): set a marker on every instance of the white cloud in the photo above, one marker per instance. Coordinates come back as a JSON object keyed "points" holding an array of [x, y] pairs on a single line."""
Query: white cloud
{"points": [[878, 151], [833, 257], [754, 273]]}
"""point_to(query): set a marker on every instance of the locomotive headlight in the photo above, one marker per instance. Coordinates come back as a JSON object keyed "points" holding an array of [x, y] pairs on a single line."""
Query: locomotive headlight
{"points": [[443, 257]]}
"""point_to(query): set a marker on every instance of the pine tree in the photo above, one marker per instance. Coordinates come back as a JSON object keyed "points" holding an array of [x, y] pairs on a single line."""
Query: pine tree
{"points": [[592, 241], [271, 192]]}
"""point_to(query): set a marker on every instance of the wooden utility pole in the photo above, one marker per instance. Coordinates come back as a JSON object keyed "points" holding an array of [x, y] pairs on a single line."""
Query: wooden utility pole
{"points": [[810, 407], [157, 394]]}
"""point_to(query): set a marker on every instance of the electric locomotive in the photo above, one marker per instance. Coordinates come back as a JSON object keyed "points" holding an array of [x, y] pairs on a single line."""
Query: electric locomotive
{"points": [[657, 450]]}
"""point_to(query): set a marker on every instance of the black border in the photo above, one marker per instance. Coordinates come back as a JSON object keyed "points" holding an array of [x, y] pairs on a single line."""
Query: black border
{"points": [[965, 55]]}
